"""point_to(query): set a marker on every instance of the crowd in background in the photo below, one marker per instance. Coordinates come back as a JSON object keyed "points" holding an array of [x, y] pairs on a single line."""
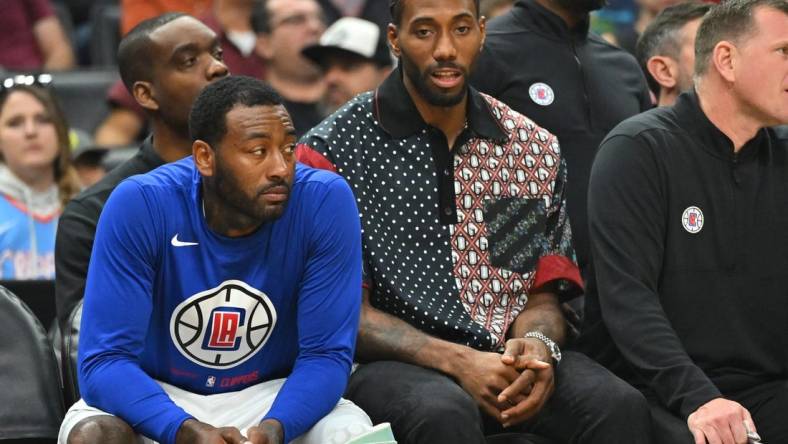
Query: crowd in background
{"points": [[46, 35]]}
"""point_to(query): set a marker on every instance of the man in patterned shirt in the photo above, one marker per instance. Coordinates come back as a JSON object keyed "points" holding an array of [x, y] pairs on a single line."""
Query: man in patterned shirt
{"points": [[467, 252]]}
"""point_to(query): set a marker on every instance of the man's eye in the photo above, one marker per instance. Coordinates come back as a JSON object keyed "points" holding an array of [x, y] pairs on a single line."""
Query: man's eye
{"points": [[463, 29], [423, 32], [289, 149], [219, 54], [189, 61]]}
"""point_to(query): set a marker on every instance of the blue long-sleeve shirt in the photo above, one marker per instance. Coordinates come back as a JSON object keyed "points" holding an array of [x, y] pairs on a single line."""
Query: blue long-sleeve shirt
{"points": [[171, 300]]}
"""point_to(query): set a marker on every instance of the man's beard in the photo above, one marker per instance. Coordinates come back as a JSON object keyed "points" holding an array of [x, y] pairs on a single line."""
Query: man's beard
{"points": [[226, 187], [421, 81]]}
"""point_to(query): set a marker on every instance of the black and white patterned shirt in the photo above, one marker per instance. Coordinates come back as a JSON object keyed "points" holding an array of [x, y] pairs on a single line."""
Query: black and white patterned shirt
{"points": [[453, 239]]}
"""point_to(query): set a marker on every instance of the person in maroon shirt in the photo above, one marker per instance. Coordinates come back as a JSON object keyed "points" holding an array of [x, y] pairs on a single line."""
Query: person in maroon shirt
{"points": [[32, 38]]}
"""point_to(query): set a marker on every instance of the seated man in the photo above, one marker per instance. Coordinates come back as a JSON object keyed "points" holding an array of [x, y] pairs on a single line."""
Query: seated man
{"points": [[666, 50], [215, 278], [688, 216], [467, 252]]}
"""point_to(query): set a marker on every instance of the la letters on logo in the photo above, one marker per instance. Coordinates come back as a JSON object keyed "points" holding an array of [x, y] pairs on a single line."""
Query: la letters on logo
{"points": [[222, 330]]}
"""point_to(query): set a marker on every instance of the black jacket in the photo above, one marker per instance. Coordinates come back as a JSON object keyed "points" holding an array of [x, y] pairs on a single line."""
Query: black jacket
{"points": [[690, 248], [77, 228], [594, 84]]}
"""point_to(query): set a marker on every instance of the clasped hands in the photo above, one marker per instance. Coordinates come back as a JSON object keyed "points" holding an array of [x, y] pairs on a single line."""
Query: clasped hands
{"points": [[194, 432], [511, 387]]}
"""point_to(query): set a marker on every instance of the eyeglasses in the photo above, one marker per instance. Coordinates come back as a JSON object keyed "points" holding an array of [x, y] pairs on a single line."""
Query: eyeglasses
{"points": [[26, 80]]}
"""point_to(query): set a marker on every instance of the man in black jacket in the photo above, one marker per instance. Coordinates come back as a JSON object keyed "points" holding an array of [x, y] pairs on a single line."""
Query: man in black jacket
{"points": [[164, 62], [541, 60], [687, 215]]}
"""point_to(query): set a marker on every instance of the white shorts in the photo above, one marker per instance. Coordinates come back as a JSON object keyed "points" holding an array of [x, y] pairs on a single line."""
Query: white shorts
{"points": [[242, 409]]}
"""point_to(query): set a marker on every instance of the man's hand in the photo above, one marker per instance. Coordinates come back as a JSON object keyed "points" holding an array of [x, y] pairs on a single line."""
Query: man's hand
{"points": [[483, 376], [268, 432], [531, 390], [720, 421], [195, 432]]}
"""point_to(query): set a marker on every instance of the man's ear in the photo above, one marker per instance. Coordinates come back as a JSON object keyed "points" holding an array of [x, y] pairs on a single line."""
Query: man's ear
{"points": [[664, 70], [143, 94], [204, 157], [483, 29], [724, 58], [393, 37]]}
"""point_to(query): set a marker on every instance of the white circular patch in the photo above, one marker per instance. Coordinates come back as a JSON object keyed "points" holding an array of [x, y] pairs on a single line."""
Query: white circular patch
{"points": [[692, 220], [541, 93], [224, 326]]}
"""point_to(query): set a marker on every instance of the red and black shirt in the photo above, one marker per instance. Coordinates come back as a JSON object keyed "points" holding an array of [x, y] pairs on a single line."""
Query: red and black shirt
{"points": [[453, 238]]}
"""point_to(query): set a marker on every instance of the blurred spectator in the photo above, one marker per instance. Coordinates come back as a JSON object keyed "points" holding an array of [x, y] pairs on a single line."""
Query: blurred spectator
{"points": [[625, 35], [135, 11], [88, 164], [32, 38], [36, 178], [355, 58], [126, 121], [375, 11], [666, 50], [541, 60], [87, 158], [231, 20], [82, 26], [284, 28], [494, 8]]}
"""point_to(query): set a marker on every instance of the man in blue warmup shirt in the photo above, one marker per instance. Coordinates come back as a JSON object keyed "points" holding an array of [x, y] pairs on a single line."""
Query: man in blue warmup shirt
{"points": [[223, 289]]}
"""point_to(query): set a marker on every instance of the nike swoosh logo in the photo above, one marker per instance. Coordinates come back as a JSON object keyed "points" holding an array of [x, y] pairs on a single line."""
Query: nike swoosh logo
{"points": [[176, 243]]}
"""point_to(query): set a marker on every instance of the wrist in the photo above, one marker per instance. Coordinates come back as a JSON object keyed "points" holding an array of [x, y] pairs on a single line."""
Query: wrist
{"points": [[188, 431], [553, 351], [453, 358], [542, 351]]}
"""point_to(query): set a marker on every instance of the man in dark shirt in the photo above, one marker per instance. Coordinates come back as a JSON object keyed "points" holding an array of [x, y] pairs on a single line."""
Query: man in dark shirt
{"points": [[666, 50], [467, 252], [164, 62], [688, 214], [541, 59]]}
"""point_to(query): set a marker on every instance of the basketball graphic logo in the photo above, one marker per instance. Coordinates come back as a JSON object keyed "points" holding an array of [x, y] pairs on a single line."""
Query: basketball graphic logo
{"points": [[692, 220], [224, 326]]}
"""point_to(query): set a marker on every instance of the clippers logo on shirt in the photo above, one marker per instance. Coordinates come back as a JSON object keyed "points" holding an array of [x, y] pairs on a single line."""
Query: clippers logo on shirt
{"points": [[224, 326], [692, 220], [541, 93]]}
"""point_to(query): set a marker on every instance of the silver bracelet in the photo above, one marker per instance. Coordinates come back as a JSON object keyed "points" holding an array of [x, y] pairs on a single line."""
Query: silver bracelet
{"points": [[555, 351]]}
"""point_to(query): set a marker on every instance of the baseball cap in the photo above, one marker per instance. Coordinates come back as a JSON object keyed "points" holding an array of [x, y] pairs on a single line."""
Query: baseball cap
{"points": [[351, 35], [83, 149]]}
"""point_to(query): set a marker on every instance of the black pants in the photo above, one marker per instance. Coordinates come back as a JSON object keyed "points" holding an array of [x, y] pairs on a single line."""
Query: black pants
{"points": [[767, 403], [589, 405]]}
